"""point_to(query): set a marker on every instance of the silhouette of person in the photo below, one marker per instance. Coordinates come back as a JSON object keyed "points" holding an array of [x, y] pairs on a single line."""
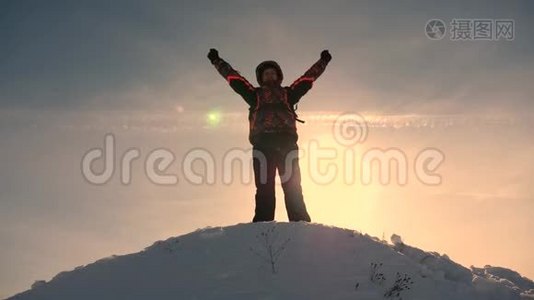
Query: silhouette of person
{"points": [[273, 131]]}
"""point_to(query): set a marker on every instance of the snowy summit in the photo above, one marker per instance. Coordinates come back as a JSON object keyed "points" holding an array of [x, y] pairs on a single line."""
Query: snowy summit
{"points": [[272, 260]]}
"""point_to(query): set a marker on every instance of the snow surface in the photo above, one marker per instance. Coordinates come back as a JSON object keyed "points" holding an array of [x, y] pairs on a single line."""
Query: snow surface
{"points": [[281, 261]]}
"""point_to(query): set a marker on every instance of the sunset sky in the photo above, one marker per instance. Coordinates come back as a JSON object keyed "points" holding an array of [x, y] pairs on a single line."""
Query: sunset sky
{"points": [[71, 72]]}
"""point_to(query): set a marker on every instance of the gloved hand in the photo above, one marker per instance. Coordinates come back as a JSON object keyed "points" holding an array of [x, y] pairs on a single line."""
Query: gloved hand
{"points": [[213, 55], [325, 55]]}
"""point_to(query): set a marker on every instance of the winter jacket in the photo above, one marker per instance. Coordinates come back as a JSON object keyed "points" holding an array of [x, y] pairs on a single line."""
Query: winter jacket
{"points": [[271, 107]]}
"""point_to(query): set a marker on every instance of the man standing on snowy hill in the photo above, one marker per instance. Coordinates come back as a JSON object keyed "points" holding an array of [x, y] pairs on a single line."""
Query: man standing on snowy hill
{"points": [[273, 131]]}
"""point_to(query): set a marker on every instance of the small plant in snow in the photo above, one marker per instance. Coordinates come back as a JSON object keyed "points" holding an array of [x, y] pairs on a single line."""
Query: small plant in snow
{"points": [[376, 276], [271, 250], [402, 283]]}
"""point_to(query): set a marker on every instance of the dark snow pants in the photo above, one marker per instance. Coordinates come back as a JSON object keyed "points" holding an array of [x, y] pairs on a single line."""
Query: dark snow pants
{"points": [[284, 158]]}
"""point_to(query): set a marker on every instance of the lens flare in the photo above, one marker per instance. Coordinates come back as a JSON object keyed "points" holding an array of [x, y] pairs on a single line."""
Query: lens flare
{"points": [[213, 118]]}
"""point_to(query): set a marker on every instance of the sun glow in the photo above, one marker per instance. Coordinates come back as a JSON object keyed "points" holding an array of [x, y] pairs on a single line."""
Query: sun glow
{"points": [[340, 202]]}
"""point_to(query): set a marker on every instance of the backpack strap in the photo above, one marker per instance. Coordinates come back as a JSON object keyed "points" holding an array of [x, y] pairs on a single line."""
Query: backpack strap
{"points": [[253, 111], [292, 108], [295, 107]]}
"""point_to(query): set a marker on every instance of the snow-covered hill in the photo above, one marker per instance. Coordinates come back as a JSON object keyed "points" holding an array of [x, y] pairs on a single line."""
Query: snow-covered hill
{"points": [[281, 261]]}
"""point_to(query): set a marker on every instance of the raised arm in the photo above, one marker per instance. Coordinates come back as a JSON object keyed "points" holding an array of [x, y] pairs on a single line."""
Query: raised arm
{"points": [[238, 83], [305, 82]]}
